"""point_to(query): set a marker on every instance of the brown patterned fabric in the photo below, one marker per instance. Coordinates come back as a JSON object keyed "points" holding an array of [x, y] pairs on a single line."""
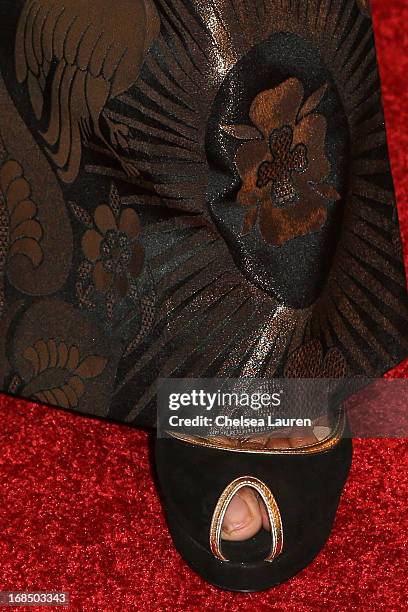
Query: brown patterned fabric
{"points": [[289, 139], [365, 7], [192, 188]]}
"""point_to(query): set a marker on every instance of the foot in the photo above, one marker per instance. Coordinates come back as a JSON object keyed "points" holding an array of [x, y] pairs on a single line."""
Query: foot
{"points": [[246, 513]]}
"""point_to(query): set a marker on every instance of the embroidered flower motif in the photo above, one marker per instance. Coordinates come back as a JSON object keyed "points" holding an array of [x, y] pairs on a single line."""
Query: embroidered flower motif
{"points": [[114, 249], [308, 361], [20, 231], [283, 165], [114, 255], [58, 373], [364, 7]]}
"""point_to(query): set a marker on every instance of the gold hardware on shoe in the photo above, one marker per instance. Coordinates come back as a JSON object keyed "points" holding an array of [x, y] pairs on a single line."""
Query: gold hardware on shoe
{"points": [[271, 507]]}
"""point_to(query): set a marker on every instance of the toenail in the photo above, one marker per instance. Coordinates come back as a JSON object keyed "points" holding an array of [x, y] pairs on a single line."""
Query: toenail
{"points": [[239, 515]]}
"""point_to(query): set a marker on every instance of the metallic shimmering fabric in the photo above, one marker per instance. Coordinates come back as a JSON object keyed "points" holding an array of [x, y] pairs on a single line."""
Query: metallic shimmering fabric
{"points": [[192, 188]]}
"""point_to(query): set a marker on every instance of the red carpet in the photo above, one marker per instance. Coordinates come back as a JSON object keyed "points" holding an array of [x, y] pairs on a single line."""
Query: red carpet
{"points": [[79, 511]]}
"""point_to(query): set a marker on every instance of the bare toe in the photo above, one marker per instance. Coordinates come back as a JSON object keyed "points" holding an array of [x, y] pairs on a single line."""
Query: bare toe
{"points": [[243, 518]]}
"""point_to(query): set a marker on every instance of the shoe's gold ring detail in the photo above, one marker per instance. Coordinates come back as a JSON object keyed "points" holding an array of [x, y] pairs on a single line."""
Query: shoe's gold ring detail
{"points": [[271, 507]]}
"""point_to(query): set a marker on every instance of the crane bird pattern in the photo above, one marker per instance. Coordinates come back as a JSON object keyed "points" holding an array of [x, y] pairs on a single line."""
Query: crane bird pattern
{"points": [[92, 54]]}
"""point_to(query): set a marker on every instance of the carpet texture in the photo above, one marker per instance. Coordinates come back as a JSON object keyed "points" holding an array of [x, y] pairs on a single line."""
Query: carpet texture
{"points": [[79, 511]]}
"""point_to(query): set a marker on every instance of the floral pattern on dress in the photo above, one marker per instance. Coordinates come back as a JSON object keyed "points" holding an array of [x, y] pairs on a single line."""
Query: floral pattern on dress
{"points": [[114, 257], [310, 361], [283, 165], [20, 230], [53, 361]]}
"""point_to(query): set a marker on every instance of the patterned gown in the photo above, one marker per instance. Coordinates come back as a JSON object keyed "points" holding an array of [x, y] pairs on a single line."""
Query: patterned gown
{"points": [[192, 188]]}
